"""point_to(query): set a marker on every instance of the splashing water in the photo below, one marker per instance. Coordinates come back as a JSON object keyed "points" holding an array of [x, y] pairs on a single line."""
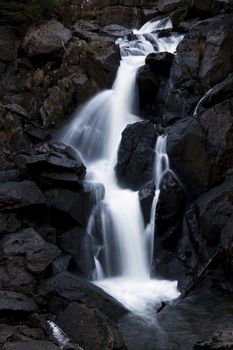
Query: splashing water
{"points": [[122, 258]]}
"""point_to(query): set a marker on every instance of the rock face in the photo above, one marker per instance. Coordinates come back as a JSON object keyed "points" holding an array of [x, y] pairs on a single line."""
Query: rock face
{"points": [[136, 155], [49, 38], [204, 54]]}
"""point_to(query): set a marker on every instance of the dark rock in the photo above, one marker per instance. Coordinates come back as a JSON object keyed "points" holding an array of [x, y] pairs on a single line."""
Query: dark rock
{"points": [[53, 163], [199, 64], [146, 196], [104, 333], [27, 249], [65, 288], [77, 243], [226, 240], [188, 156], [16, 302], [169, 5], [46, 39], [61, 264], [170, 209], [214, 209], [136, 155], [116, 31], [9, 175], [15, 195], [219, 340], [160, 62], [127, 16], [30, 345], [8, 45], [74, 206], [9, 222]]}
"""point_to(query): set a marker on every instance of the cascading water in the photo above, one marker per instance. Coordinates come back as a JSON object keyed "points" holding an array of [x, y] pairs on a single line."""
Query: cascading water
{"points": [[121, 255]]}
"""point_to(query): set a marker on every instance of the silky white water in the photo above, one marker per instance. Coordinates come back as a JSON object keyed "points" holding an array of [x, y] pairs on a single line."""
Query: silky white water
{"points": [[123, 256]]}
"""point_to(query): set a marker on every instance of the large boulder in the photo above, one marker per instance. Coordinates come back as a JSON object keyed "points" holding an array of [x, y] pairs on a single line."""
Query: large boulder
{"points": [[31, 345], [28, 250], [65, 288], [77, 243], [203, 57], [16, 302], [49, 38], [90, 328], [136, 155], [24, 194]]}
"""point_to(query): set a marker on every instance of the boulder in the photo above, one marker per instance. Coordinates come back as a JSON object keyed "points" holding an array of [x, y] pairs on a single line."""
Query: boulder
{"points": [[53, 163], [16, 195], [77, 243], [46, 39], [116, 31], [65, 288], [77, 320], [16, 302], [160, 62], [136, 155], [28, 250], [203, 57], [127, 16], [169, 5], [74, 206]]}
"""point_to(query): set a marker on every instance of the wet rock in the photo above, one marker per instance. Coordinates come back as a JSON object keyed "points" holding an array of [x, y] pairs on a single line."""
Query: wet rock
{"points": [[104, 333], [170, 209], [16, 302], [73, 206], [8, 45], [146, 196], [160, 62], [15, 195], [116, 30], [136, 155], [199, 63], [77, 243], [28, 250], [193, 167], [46, 39], [68, 288], [169, 5]]}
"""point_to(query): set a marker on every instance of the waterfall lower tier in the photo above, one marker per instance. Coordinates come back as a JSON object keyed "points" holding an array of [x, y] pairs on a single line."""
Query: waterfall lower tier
{"points": [[122, 247]]}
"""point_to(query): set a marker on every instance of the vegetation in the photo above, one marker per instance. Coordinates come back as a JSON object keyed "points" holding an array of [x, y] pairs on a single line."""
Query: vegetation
{"points": [[16, 12]]}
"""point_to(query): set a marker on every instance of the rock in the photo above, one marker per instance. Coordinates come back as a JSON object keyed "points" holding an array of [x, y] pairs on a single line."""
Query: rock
{"points": [[116, 31], [46, 39], [30, 345], [219, 340], [194, 167], [16, 302], [53, 163], [28, 250], [217, 125], [226, 240], [8, 45], [77, 320], [160, 62], [61, 264], [24, 194], [9, 175], [122, 15], [73, 206], [136, 155], [78, 244], [170, 209], [169, 5], [214, 209], [68, 288], [203, 57], [146, 196]]}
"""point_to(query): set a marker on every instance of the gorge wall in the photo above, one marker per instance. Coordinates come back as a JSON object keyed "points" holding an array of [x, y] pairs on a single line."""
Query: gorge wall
{"points": [[49, 69]]}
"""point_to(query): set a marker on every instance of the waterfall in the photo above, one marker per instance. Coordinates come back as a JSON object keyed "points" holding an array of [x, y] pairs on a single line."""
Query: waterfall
{"points": [[121, 253]]}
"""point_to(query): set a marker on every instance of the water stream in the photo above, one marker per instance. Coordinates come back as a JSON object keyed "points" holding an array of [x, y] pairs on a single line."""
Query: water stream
{"points": [[123, 255]]}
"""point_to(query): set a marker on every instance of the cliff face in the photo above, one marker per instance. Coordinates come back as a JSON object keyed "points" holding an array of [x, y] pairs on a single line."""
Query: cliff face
{"points": [[49, 69]]}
